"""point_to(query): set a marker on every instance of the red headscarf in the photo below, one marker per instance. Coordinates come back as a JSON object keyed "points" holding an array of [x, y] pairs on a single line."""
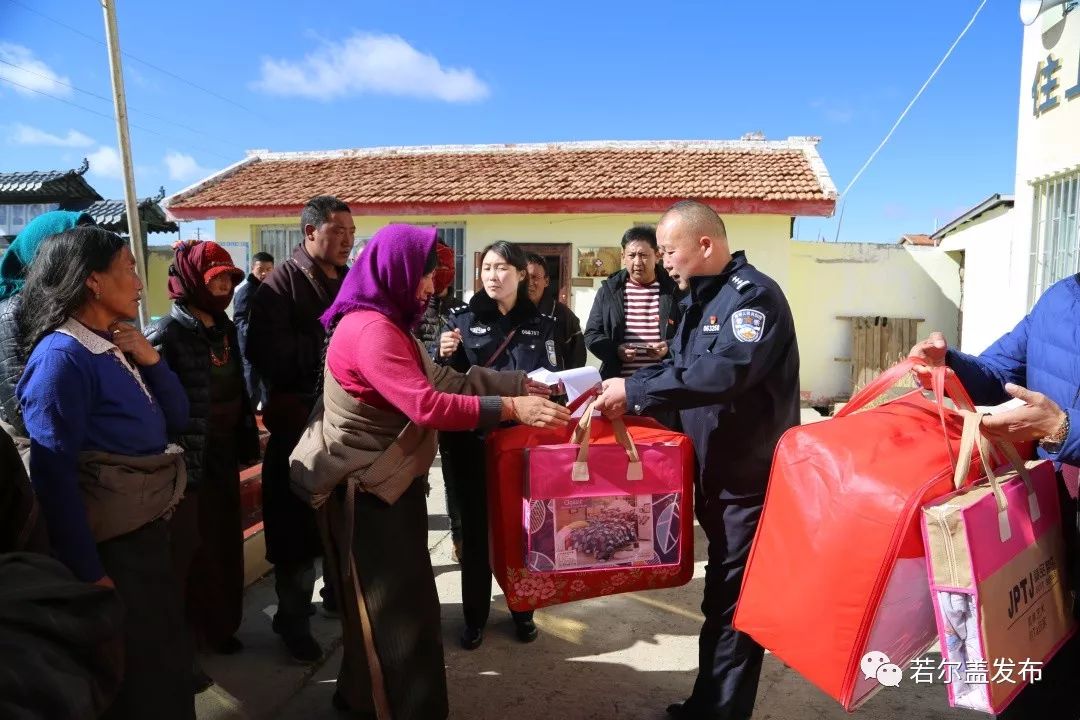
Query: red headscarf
{"points": [[195, 264], [444, 273]]}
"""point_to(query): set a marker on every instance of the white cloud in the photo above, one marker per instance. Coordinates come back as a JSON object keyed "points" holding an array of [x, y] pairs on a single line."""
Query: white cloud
{"points": [[27, 135], [183, 167], [105, 162], [31, 74], [374, 64]]}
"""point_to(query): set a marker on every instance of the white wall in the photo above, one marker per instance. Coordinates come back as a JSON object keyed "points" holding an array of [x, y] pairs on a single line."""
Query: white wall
{"points": [[986, 310], [829, 280], [1046, 144]]}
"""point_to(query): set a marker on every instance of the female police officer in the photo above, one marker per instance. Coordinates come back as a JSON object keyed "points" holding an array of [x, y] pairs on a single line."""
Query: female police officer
{"points": [[500, 328]]}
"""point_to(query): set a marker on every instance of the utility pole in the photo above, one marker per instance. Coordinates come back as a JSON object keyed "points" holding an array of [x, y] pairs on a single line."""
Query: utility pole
{"points": [[112, 39]]}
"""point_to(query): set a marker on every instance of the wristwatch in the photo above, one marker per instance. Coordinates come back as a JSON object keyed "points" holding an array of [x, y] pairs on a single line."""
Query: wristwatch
{"points": [[1052, 442]]}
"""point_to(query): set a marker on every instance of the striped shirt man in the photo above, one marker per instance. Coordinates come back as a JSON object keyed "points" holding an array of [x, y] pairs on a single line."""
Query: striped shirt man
{"points": [[641, 304]]}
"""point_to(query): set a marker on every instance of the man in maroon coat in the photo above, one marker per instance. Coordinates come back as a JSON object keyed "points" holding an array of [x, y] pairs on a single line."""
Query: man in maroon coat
{"points": [[285, 345]]}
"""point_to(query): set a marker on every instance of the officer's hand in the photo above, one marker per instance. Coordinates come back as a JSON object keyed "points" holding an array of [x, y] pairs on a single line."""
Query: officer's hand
{"points": [[627, 353], [658, 350], [1037, 418], [537, 412], [612, 402], [449, 342], [931, 352]]}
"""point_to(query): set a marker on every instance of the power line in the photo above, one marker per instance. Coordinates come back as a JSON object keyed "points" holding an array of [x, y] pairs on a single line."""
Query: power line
{"points": [[109, 100], [888, 136], [137, 59], [108, 117]]}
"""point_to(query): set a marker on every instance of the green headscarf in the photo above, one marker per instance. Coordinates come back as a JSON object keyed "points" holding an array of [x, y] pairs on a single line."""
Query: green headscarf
{"points": [[24, 247]]}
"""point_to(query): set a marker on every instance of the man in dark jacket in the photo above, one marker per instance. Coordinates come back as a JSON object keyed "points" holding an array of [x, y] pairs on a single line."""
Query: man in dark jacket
{"points": [[619, 327], [285, 345], [567, 326], [261, 266], [733, 375]]}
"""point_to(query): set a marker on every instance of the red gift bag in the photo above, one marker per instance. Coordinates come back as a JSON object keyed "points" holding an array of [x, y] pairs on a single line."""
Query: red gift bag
{"points": [[510, 513], [837, 569]]}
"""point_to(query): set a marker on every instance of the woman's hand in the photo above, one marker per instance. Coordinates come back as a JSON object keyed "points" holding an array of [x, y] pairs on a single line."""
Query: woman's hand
{"points": [[134, 343], [537, 412], [537, 389], [449, 342]]}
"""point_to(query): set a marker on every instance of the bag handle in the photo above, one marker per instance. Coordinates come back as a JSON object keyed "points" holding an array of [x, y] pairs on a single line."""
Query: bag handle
{"points": [[943, 382], [972, 439], [502, 348], [581, 438]]}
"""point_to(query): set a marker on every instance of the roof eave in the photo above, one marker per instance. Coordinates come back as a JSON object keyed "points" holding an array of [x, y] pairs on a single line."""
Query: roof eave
{"points": [[821, 207]]}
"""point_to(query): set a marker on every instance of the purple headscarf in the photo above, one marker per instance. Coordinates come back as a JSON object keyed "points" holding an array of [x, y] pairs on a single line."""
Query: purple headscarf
{"points": [[385, 277]]}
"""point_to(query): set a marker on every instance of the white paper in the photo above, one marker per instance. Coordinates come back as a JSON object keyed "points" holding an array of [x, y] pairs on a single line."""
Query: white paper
{"points": [[576, 381]]}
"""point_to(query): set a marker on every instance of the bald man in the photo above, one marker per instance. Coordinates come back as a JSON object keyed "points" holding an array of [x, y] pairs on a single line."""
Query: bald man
{"points": [[733, 376]]}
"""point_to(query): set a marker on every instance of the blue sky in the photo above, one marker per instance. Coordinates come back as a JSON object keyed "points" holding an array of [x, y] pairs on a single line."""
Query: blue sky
{"points": [[352, 74]]}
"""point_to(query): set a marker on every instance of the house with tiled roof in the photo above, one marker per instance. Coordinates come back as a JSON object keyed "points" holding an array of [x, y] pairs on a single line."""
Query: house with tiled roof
{"points": [[26, 194], [565, 201]]}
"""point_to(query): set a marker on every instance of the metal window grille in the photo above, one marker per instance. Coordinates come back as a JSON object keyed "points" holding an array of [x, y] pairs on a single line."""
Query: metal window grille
{"points": [[278, 240], [1055, 232], [454, 236]]}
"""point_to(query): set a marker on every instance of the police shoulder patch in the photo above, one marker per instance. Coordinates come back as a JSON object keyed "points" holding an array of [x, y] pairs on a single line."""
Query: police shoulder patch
{"points": [[458, 309], [748, 325]]}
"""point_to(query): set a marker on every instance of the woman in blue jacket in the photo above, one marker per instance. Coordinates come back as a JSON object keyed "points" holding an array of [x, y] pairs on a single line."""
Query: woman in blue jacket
{"points": [[99, 404]]}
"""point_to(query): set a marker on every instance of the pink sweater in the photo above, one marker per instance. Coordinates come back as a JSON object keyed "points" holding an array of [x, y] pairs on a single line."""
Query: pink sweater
{"points": [[376, 362]]}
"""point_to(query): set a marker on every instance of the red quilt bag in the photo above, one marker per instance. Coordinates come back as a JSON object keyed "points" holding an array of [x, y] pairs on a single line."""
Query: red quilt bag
{"points": [[512, 513], [837, 569]]}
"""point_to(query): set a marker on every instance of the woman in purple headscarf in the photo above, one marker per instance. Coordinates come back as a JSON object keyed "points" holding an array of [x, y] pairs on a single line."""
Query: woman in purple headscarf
{"points": [[384, 399]]}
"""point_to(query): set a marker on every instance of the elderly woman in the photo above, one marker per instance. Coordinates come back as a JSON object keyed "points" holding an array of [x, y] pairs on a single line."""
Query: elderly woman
{"points": [[200, 342], [99, 404], [384, 399], [13, 268]]}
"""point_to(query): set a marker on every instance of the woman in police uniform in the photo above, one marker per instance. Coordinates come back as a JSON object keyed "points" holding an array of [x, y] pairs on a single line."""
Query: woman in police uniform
{"points": [[502, 329]]}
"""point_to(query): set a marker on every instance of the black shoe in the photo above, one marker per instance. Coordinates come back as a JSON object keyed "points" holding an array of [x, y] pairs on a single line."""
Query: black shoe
{"points": [[343, 707], [201, 682], [681, 711], [230, 646], [472, 638], [526, 631], [301, 645]]}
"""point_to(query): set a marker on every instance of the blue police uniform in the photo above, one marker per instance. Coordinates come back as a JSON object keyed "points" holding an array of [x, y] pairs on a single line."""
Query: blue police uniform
{"points": [[733, 375], [533, 344]]}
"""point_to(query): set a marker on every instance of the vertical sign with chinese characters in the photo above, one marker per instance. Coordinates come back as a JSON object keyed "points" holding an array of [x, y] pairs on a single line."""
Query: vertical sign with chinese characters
{"points": [[1046, 91]]}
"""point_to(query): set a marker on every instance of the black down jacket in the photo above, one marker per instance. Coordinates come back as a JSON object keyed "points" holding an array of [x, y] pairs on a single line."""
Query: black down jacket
{"points": [[181, 340], [12, 364]]}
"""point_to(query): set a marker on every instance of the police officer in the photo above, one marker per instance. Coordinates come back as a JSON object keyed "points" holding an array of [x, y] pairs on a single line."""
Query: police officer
{"points": [[501, 329], [734, 378]]}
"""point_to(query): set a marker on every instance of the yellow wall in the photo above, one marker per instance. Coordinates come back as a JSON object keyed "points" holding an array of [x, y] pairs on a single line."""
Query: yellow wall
{"points": [[828, 280], [822, 280], [157, 280], [763, 237]]}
